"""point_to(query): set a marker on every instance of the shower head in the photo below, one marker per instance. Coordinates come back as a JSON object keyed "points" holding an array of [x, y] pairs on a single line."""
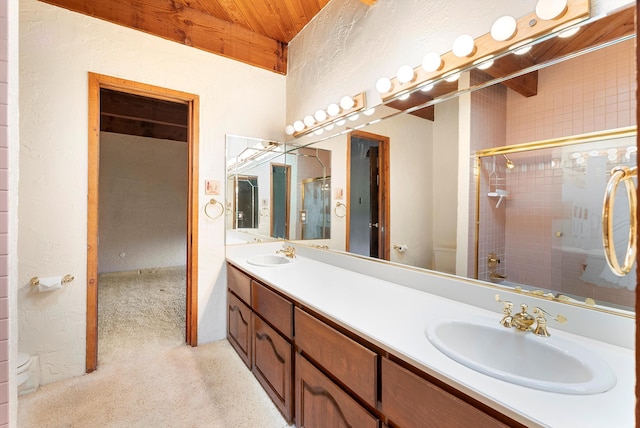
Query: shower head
{"points": [[510, 165]]}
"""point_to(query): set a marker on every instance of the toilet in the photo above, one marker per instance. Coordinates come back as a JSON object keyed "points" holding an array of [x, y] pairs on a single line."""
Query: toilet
{"points": [[23, 366]]}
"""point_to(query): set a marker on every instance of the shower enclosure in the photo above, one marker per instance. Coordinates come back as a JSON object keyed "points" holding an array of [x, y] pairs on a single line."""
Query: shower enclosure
{"points": [[547, 230]]}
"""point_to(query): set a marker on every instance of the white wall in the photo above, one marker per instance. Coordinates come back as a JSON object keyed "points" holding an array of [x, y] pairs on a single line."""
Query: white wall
{"points": [[10, 10], [57, 50], [143, 203]]}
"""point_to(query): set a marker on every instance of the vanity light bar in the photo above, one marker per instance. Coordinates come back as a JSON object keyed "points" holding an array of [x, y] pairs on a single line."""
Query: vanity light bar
{"points": [[359, 104], [528, 27]]}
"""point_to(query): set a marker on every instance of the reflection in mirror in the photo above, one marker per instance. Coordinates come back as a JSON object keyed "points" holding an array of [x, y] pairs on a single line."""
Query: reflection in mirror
{"points": [[249, 188], [540, 217], [432, 185], [276, 192]]}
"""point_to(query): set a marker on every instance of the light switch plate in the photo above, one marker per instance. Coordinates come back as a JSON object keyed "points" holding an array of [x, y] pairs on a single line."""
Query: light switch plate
{"points": [[211, 187]]}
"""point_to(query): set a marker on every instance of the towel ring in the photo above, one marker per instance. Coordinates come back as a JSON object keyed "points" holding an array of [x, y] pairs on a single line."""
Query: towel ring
{"points": [[214, 203], [344, 209], [618, 174]]}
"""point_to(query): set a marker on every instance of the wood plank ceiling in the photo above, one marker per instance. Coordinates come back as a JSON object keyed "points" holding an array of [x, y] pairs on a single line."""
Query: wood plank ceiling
{"points": [[255, 32]]}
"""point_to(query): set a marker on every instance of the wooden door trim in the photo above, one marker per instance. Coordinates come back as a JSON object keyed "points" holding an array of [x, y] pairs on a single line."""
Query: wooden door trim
{"points": [[97, 82], [384, 190]]}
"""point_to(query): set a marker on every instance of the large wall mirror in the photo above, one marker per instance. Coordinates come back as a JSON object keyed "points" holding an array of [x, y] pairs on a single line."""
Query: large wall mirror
{"points": [[438, 164], [276, 191]]}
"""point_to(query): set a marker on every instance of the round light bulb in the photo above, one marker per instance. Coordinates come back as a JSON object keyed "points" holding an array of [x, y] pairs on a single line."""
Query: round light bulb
{"points": [[427, 87], [569, 33], [432, 62], [354, 117], [405, 74], [404, 97], [594, 153], [383, 85], [612, 157], [341, 122], [612, 151], [452, 77], [632, 149], [298, 125], [550, 9], [309, 120], [318, 131], [484, 63], [504, 28], [289, 130], [333, 109], [463, 46], [347, 102], [320, 116], [329, 127], [369, 112], [523, 50]]}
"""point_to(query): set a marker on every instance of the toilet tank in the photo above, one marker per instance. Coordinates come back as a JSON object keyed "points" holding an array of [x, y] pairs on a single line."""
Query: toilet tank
{"points": [[444, 259]]}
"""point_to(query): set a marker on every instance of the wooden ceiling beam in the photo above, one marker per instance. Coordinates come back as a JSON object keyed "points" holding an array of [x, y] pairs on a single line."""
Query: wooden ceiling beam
{"points": [[369, 2], [173, 21]]}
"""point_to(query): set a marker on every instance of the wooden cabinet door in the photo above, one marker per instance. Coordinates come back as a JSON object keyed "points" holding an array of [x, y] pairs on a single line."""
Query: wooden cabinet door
{"points": [[239, 327], [320, 403], [272, 365], [408, 400]]}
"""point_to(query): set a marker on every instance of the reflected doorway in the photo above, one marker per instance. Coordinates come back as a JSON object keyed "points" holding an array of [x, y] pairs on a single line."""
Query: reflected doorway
{"points": [[368, 195], [280, 197]]}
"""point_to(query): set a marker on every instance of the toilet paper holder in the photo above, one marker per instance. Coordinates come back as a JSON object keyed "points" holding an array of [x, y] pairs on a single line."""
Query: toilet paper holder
{"points": [[65, 280]]}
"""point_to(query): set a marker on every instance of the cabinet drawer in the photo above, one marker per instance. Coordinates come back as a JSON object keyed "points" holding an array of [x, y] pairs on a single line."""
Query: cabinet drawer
{"points": [[273, 308], [353, 364], [239, 283], [320, 403], [239, 327], [408, 400], [272, 365]]}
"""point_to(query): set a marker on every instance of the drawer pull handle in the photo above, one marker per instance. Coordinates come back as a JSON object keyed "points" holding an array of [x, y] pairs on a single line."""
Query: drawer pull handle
{"points": [[264, 336], [318, 390], [237, 309]]}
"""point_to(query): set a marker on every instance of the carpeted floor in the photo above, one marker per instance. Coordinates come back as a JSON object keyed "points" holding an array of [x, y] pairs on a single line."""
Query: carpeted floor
{"points": [[147, 377]]}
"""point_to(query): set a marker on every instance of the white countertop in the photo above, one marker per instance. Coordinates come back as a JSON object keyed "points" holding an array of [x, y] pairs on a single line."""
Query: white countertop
{"points": [[394, 317]]}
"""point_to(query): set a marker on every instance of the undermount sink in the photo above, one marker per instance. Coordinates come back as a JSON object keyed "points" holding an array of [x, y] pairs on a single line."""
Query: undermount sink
{"points": [[269, 260], [544, 363]]}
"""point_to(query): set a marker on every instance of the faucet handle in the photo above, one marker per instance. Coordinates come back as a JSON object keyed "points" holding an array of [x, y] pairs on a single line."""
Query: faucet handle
{"points": [[507, 304], [541, 327], [507, 319]]}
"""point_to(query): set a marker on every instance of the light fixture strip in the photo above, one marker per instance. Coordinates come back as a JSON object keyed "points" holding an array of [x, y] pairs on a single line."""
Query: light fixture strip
{"points": [[577, 10], [359, 104]]}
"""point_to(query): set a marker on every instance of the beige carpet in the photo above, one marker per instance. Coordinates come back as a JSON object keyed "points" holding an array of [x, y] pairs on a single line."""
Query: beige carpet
{"points": [[159, 382]]}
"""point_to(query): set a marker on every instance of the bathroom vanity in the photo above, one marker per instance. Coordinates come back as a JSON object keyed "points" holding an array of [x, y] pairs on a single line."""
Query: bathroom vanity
{"points": [[337, 347]]}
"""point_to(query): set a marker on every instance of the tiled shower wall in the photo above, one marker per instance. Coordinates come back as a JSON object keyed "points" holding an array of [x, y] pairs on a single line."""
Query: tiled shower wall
{"points": [[4, 222], [590, 93], [488, 112]]}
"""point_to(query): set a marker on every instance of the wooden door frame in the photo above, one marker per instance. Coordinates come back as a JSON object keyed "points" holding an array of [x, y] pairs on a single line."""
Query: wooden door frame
{"points": [[384, 189], [97, 82]]}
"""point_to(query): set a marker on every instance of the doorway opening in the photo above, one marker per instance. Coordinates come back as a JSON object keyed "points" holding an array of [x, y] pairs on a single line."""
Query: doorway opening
{"points": [[368, 195], [142, 208]]}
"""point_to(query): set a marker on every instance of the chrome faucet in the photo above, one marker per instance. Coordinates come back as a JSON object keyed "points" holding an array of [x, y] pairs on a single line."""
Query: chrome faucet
{"points": [[523, 321], [288, 251]]}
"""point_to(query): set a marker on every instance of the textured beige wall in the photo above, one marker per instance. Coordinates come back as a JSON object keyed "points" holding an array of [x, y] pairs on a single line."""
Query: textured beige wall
{"points": [[57, 50]]}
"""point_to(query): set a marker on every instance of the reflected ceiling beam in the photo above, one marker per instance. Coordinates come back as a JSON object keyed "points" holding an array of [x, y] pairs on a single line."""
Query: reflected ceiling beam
{"points": [[129, 114], [177, 22], [369, 2], [598, 32]]}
